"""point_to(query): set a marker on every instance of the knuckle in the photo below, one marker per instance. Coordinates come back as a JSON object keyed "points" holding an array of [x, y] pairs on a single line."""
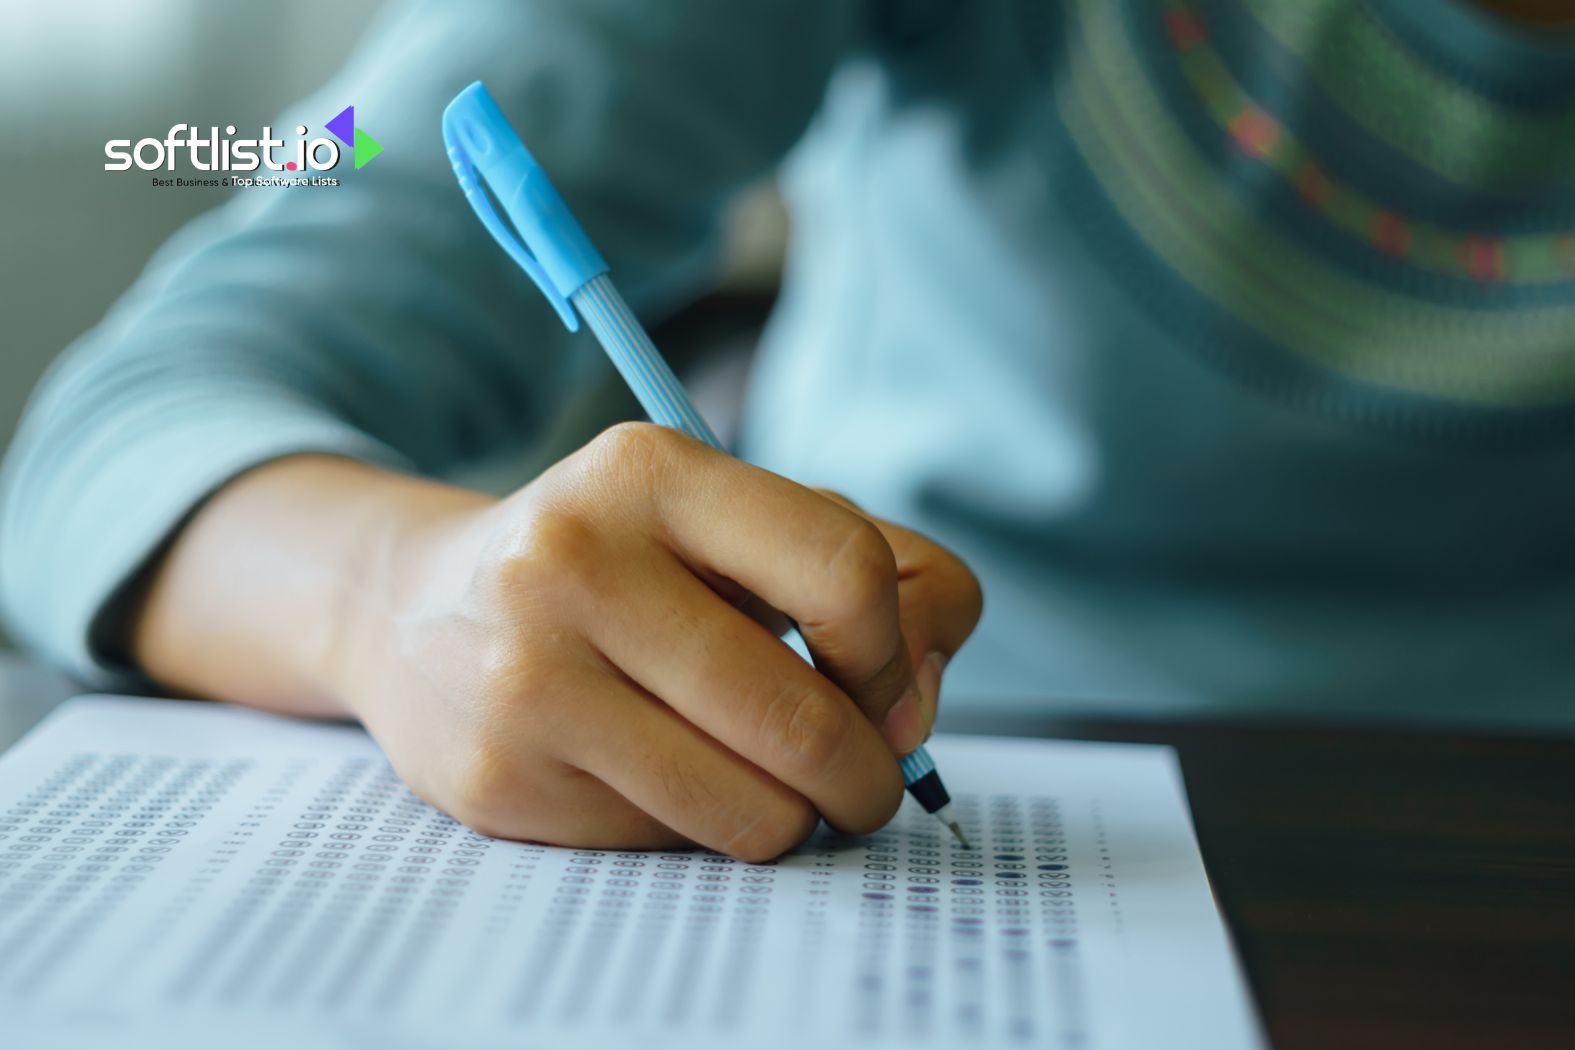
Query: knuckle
{"points": [[809, 729], [863, 569], [683, 786], [558, 544], [613, 477], [498, 786], [489, 795], [630, 447], [769, 834]]}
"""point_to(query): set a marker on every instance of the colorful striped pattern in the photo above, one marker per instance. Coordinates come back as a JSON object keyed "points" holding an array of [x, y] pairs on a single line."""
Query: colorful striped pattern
{"points": [[1403, 101], [1478, 255], [1274, 265]]}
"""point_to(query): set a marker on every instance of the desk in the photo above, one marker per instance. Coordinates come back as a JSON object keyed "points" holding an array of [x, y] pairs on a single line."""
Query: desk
{"points": [[1386, 889]]}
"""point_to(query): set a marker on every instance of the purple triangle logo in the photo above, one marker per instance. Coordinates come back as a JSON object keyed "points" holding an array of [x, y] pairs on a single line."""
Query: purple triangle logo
{"points": [[343, 126]]}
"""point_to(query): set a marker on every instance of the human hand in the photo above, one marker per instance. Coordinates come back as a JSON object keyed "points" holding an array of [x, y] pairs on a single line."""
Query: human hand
{"points": [[575, 664], [593, 661]]}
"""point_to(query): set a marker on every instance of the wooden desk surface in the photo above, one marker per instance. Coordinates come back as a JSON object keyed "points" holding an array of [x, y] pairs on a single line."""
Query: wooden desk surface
{"points": [[1385, 888]]}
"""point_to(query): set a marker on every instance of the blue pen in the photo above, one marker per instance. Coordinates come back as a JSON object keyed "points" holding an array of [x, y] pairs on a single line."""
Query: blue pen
{"points": [[563, 263]]}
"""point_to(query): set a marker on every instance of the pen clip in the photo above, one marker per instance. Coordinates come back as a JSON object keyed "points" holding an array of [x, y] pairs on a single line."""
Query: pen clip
{"points": [[550, 247]]}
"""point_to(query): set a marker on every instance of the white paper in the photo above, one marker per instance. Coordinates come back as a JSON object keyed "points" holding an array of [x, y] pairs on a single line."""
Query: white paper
{"points": [[177, 874]]}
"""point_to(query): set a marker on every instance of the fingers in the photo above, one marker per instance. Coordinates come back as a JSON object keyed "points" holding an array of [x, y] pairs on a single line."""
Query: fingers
{"points": [[827, 567], [575, 809], [702, 724], [683, 779], [594, 761], [940, 603], [744, 689], [939, 596], [501, 784], [938, 614]]}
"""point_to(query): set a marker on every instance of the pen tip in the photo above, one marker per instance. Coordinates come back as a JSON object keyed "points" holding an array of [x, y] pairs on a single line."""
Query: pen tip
{"points": [[958, 831]]}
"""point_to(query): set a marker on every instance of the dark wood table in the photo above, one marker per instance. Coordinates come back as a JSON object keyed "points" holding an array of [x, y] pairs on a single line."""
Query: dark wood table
{"points": [[1385, 888]]}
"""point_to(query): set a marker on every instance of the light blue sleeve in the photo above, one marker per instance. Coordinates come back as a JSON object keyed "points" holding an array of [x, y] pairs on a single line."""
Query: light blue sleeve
{"points": [[376, 319]]}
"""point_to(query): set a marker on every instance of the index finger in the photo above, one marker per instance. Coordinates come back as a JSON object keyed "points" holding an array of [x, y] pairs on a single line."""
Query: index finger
{"points": [[827, 567]]}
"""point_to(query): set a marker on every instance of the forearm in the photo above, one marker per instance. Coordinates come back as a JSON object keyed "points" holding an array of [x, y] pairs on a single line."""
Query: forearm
{"points": [[276, 592]]}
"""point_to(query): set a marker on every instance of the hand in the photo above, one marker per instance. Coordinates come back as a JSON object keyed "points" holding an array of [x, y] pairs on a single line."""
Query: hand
{"points": [[585, 662]]}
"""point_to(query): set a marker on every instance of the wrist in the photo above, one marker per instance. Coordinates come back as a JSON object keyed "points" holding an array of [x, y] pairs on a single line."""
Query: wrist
{"points": [[275, 593], [414, 548]]}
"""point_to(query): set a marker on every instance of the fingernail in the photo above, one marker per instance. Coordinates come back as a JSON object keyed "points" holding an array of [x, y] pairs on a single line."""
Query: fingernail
{"points": [[928, 679], [904, 725]]}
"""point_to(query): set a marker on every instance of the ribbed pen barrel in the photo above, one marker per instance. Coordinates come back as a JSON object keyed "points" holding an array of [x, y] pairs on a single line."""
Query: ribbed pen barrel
{"points": [[918, 772], [637, 360]]}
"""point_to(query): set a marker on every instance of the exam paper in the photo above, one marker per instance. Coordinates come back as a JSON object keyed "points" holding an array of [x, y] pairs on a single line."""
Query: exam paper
{"points": [[178, 874]]}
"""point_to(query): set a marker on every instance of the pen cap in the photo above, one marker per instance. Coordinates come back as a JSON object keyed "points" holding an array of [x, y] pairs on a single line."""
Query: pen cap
{"points": [[555, 252]]}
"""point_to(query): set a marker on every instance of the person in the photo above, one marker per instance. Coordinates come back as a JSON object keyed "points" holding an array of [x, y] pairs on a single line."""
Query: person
{"points": [[1227, 341]]}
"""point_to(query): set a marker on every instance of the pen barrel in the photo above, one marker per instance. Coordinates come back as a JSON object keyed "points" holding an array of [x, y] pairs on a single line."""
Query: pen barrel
{"points": [[638, 361], [918, 766]]}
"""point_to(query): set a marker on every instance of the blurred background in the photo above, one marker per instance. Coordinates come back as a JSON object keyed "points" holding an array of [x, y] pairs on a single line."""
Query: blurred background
{"points": [[75, 73]]}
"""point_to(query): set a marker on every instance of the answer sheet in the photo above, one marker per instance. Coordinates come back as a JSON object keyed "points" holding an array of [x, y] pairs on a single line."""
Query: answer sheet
{"points": [[180, 874]]}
